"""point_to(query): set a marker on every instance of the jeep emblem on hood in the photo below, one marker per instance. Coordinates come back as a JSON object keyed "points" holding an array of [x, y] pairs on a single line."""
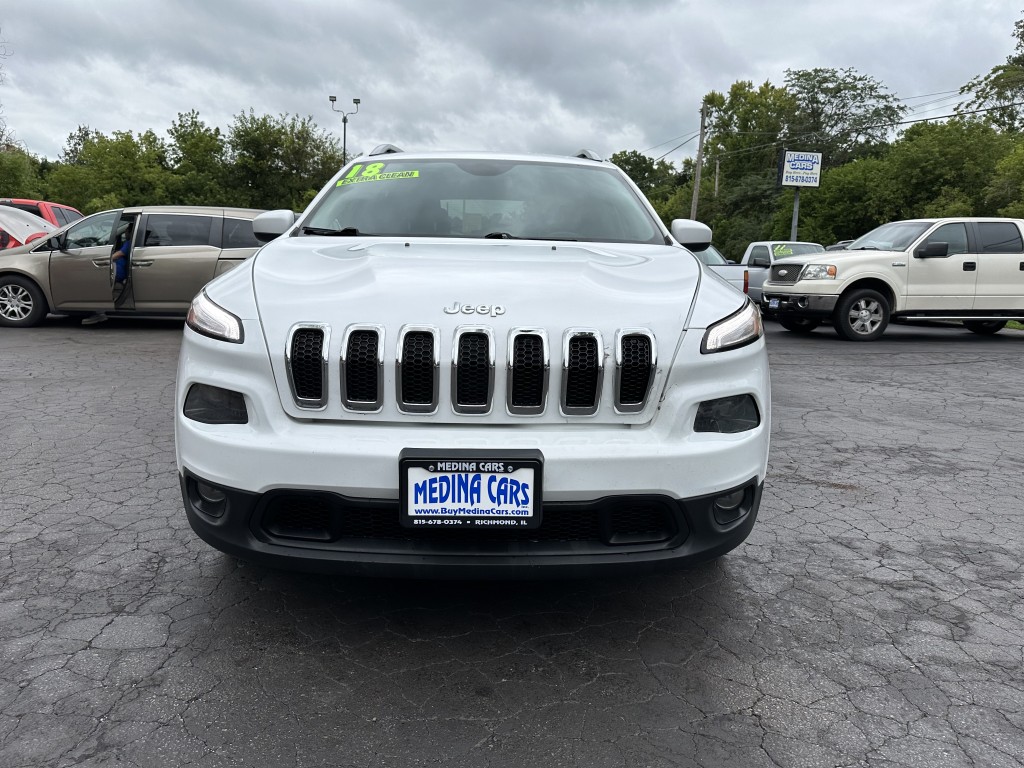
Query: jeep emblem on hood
{"points": [[479, 309]]}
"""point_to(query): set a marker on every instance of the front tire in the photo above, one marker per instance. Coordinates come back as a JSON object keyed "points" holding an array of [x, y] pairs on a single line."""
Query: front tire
{"points": [[22, 303], [984, 327], [802, 325], [862, 315]]}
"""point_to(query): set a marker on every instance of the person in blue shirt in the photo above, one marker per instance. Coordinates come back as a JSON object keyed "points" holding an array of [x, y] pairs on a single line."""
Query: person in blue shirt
{"points": [[119, 257]]}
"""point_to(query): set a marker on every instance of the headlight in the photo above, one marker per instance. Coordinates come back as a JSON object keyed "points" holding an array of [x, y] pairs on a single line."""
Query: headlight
{"points": [[819, 272], [737, 330], [214, 321]]}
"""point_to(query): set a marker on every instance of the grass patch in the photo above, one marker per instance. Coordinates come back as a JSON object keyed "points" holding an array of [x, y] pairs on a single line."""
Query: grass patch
{"points": [[1015, 325]]}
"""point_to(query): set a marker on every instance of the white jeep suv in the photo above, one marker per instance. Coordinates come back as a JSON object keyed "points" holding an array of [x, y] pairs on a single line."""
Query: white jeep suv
{"points": [[463, 365]]}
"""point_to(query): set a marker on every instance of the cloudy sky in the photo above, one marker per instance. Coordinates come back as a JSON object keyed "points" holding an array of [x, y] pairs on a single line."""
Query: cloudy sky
{"points": [[529, 75]]}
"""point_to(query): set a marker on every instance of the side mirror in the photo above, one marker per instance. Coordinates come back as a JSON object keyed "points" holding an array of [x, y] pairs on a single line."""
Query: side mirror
{"points": [[932, 250], [54, 244], [272, 224], [760, 261], [691, 234]]}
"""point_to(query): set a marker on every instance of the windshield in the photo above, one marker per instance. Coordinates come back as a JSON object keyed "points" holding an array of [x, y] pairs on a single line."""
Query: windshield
{"points": [[480, 198], [711, 256], [895, 236], [780, 250]]}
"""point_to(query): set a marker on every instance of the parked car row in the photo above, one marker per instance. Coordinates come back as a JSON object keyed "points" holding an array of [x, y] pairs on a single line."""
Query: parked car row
{"points": [[173, 251]]}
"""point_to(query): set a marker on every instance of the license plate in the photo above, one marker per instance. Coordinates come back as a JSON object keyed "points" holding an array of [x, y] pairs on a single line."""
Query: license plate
{"points": [[470, 490], [773, 303]]}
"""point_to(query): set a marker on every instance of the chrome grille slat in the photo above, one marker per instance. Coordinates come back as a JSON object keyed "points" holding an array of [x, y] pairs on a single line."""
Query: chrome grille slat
{"points": [[362, 368], [416, 369], [307, 364], [472, 370], [582, 372], [528, 371]]}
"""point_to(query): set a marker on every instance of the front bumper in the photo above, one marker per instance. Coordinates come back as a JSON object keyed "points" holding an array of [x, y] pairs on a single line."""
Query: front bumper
{"points": [[803, 304], [593, 469], [332, 533]]}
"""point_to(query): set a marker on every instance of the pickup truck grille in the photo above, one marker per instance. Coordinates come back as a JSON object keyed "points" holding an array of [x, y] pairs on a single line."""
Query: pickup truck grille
{"points": [[474, 351], [786, 273]]}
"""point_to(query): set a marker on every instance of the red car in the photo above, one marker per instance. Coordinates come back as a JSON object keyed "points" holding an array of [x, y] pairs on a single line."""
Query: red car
{"points": [[55, 213]]}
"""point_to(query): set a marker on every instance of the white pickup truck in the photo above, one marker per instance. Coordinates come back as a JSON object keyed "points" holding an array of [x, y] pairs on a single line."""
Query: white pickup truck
{"points": [[967, 269], [761, 254]]}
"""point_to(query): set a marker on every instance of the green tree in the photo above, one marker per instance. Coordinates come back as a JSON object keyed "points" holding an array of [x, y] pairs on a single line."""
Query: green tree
{"points": [[196, 155], [19, 173], [841, 113], [112, 172], [278, 162], [657, 179], [1001, 91]]}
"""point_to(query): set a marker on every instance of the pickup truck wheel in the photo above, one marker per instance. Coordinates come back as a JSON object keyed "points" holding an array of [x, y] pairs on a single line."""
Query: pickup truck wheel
{"points": [[22, 304], [799, 324], [984, 327], [862, 315]]}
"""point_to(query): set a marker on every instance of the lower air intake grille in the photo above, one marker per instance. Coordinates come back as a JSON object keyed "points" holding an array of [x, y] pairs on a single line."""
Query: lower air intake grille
{"points": [[635, 372], [306, 358]]}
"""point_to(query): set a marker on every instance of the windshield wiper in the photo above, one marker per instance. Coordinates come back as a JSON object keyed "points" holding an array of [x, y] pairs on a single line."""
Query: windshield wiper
{"points": [[866, 248], [500, 236], [345, 232]]}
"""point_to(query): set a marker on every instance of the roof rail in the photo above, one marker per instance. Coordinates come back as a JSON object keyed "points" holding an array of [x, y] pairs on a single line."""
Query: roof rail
{"points": [[586, 154], [385, 149]]}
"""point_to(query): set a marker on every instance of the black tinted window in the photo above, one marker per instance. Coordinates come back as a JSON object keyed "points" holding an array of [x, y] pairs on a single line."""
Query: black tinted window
{"points": [[759, 252], [178, 229], [61, 218], [238, 234], [70, 215], [1000, 237], [955, 235]]}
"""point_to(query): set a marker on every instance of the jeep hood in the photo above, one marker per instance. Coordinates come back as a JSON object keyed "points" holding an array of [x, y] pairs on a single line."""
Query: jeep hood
{"points": [[450, 283]]}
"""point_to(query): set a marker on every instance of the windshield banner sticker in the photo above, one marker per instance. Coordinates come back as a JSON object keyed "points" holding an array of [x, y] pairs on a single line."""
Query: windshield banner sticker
{"points": [[373, 172]]}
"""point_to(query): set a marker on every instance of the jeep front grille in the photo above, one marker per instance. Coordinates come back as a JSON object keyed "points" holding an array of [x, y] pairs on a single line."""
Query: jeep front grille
{"points": [[362, 369], [472, 370], [582, 366], [306, 360], [635, 362], [416, 372], [528, 367]]}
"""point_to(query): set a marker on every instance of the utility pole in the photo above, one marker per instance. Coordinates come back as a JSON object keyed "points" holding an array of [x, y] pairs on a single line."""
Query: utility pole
{"points": [[699, 161]]}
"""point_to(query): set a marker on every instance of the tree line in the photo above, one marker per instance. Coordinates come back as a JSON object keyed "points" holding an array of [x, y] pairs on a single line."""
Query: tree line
{"points": [[877, 166], [261, 161]]}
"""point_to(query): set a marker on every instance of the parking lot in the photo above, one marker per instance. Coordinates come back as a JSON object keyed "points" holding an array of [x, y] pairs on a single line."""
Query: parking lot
{"points": [[875, 617]]}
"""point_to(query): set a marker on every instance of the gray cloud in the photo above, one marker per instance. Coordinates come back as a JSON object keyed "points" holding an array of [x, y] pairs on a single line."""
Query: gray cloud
{"points": [[532, 75]]}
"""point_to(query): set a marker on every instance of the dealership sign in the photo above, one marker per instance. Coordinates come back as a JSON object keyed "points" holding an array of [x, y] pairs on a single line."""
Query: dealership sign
{"points": [[800, 169]]}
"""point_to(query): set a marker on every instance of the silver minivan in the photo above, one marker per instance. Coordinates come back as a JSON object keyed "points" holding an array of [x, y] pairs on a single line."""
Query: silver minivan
{"points": [[172, 252]]}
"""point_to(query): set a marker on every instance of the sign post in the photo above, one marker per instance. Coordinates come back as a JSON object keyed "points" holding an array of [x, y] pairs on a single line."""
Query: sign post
{"points": [[799, 169]]}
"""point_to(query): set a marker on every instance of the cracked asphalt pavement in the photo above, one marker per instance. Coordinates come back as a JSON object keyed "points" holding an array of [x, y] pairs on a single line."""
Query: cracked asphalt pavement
{"points": [[873, 618]]}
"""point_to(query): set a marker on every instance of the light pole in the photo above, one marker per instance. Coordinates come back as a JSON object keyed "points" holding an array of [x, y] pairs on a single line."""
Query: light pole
{"points": [[344, 125]]}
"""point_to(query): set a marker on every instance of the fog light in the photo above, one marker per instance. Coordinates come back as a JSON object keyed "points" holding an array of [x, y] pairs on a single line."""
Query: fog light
{"points": [[208, 499], [213, 405], [727, 415], [728, 506], [209, 494]]}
